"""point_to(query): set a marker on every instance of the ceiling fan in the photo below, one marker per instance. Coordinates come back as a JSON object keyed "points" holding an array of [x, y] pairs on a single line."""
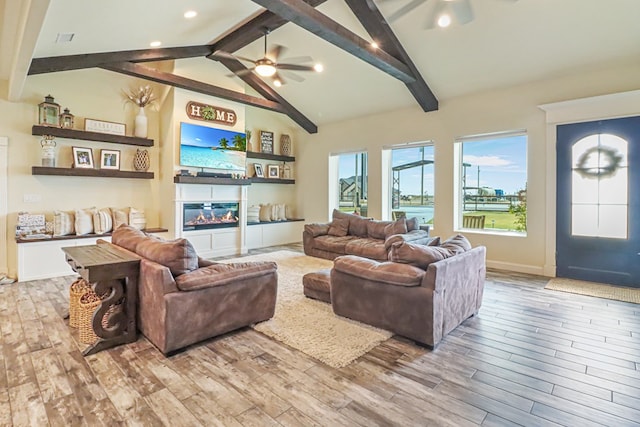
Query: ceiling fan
{"points": [[442, 14], [271, 66]]}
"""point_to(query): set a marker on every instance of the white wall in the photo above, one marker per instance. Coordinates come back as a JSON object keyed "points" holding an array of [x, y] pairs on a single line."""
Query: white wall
{"points": [[499, 110]]}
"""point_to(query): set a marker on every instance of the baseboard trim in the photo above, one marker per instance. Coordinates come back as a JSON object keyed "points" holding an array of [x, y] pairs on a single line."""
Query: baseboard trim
{"points": [[520, 268]]}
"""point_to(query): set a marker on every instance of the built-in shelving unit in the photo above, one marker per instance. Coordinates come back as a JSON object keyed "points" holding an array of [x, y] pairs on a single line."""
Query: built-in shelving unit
{"points": [[276, 222], [103, 173], [267, 156], [83, 236], [184, 179], [256, 180], [90, 136]]}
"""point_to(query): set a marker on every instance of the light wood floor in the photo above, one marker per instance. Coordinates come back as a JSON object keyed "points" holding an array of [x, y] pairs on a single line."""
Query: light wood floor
{"points": [[532, 357]]}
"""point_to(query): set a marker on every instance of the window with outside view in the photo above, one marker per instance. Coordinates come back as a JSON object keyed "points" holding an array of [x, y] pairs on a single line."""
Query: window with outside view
{"points": [[412, 183], [352, 183], [493, 182]]}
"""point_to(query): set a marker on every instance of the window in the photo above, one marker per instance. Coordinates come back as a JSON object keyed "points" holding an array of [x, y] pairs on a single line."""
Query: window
{"points": [[599, 177], [352, 183], [492, 182], [412, 183]]}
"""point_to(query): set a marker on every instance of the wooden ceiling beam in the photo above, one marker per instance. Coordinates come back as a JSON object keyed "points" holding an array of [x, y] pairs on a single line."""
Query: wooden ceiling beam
{"points": [[378, 28], [90, 60], [302, 14], [253, 30], [267, 91], [153, 75]]}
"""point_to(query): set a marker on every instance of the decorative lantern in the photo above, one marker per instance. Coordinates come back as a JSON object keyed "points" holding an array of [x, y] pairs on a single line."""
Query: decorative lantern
{"points": [[66, 119], [49, 112], [48, 144]]}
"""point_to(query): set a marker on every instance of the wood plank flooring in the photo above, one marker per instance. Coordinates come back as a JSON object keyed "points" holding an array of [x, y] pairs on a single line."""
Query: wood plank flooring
{"points": [[531, 357]]}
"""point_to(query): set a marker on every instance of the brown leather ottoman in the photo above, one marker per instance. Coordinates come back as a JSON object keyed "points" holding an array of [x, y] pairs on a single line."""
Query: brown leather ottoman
{"points": [[317, 285]]}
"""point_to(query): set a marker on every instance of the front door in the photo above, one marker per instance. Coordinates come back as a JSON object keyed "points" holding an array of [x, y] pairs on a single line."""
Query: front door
{"points": [[598, 201]]}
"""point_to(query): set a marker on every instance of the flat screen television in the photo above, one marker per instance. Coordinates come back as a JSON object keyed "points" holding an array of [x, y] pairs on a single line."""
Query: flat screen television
{"points": [[212, 148]]}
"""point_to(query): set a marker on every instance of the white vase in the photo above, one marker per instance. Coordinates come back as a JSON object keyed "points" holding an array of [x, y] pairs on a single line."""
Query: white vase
{"points": [[140, 127]]}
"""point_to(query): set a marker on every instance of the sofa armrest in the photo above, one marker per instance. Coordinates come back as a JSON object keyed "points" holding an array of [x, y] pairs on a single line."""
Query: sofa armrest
{"points": [[155, 278], [223, 274], [462, 270], [414, 236]]}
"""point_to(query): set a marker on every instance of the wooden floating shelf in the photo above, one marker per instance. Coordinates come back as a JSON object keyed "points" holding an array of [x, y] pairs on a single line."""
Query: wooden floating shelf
{"points": [[276, 222], [183, 179], [267, 156], [272, 181], [90, 136], [102, 173]]}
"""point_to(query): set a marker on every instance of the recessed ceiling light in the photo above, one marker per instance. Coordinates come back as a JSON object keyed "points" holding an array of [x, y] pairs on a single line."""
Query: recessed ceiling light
{"points": [[374, 45], [155, 43], [319, 68], [190, 14], [64, 37]]}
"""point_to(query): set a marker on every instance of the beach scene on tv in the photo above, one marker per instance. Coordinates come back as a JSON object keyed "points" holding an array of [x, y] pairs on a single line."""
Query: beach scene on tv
{"points": [[208, 147]]}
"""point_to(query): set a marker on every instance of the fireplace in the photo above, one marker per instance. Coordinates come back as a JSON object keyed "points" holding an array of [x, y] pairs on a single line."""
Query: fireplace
{"points": [[198, 216]]}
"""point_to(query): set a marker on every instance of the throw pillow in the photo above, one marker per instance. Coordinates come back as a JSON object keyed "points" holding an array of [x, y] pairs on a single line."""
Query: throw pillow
{"points": [[127, 237], [281, 212], [412, 224], [418, 255], [317, 229], [137, 219], [376, 229], [84, 220], [265, 213], [63, 223], [456, 244], [253, 214], [398, 226], [178, 255], [120, 216], [339, 227], [102, 221], [434, 241]]}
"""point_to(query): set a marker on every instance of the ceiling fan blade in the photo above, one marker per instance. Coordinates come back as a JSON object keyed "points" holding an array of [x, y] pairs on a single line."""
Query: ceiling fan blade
{"points": [[295, 67], [404, 10], [293, 76], [462, 11], [297, 60], [226, 55], [275, 52]]}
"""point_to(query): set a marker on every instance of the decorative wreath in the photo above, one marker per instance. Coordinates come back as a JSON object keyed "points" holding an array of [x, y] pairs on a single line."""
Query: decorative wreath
{"points": [[608, 164]]}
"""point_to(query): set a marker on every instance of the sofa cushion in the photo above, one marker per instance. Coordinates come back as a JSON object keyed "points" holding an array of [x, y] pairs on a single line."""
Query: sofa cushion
{"points": [[317, 229], [376, 229], [418, 255], [333, 244], [368, 248], [398, 226], [456, 244], [178, 255], [223, 274], [127, 236], [358, 226], [390, 273], [339, 227]]}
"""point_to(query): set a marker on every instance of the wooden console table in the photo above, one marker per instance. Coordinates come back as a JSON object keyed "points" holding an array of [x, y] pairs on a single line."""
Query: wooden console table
{"points": [[113, 273]]}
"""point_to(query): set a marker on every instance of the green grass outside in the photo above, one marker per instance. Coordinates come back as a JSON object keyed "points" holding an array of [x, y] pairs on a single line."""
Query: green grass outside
{"points": [[503, 220]]}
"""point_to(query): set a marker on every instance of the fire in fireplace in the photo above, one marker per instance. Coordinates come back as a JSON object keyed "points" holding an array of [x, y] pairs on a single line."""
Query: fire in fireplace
{"points": [[197, 216]]}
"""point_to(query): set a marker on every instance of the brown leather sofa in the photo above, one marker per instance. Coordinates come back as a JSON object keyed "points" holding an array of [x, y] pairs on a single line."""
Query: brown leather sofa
{"points": [[184, 299], [423, 293], [349, 234]]}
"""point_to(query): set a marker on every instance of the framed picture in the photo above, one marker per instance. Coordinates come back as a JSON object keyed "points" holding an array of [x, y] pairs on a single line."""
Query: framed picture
{"points": [[82, 157], [258, 169], [266, 142], [273, 171], [110, 159]]}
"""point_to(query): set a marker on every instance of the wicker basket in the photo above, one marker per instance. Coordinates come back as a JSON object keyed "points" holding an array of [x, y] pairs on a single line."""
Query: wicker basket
{"points": [[76, 290], [89, 302]]}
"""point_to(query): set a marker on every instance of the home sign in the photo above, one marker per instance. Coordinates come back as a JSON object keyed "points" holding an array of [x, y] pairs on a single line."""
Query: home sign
{"points": [[211, 113]]}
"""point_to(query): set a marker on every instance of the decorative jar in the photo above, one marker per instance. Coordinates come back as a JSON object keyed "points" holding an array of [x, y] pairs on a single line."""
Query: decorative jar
{"points": [[48, 145]]}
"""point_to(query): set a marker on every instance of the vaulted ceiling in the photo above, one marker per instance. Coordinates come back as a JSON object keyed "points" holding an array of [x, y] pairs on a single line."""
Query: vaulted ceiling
{"points": [[507, 44]]}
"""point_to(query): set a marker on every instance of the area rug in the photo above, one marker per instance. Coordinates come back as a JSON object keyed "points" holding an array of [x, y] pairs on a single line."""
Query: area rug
{"points": [[309, 325], [593, 289]]}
